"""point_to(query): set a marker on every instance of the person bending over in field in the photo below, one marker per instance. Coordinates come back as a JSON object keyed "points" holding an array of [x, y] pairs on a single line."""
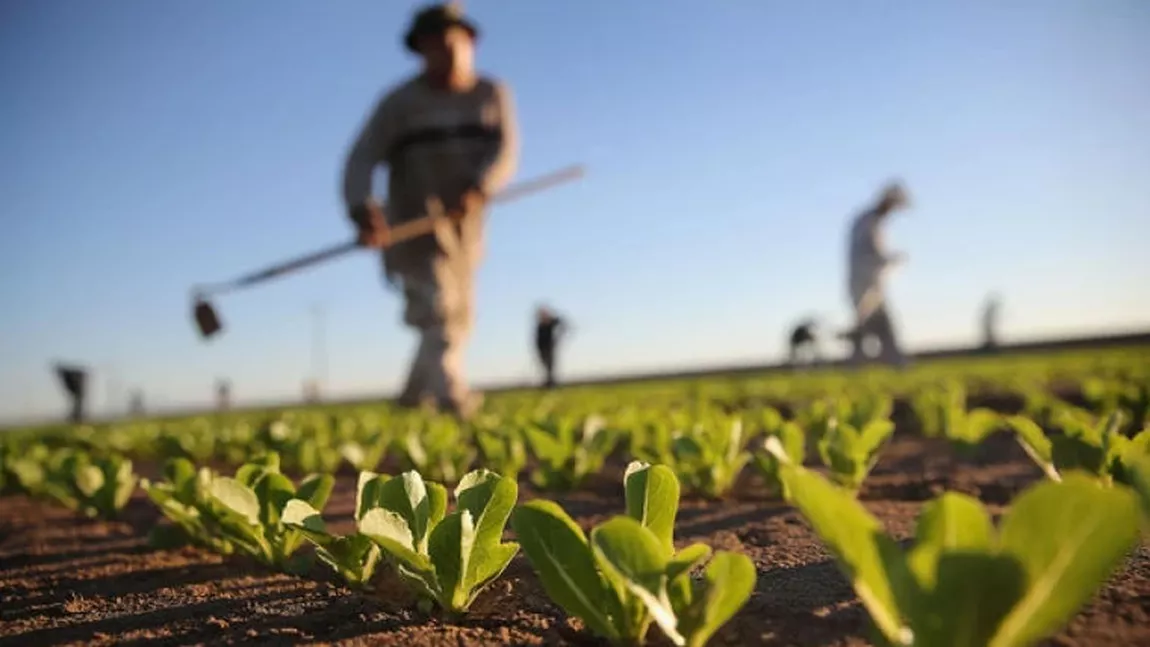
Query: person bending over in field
{"points": [[548, 329], [869, 262], [804, 344], [449, 139]]}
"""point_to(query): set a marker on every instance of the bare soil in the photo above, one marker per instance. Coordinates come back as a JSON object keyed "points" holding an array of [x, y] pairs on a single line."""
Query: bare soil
{"points": [[68, 580]]}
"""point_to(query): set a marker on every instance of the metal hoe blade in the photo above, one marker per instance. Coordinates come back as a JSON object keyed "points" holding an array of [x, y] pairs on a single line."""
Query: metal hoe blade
{"points": [[207, 321]]}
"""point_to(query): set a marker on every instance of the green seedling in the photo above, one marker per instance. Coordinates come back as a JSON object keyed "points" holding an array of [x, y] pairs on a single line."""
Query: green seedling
{"points": [[851, 453], [355, 557], [567, 449], [709, 458], [448, 559], [98, 487], [962, 583], [792, 442], [1093, 447], [627, 574]]}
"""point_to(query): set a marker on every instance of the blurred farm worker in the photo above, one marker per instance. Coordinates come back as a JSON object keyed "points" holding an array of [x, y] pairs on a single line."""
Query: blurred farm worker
{"points": [[869, 263], [549, 327], [75, 383], [449, 139], [990, 314], [804, 345], [223, 394]]}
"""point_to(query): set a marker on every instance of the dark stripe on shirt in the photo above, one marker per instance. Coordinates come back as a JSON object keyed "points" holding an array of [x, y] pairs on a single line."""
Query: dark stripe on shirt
{"points": [[439, 135]]}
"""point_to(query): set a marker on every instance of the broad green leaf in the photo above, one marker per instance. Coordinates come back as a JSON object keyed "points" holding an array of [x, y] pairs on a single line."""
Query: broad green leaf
{"points": [[872, 437], [864, 553], [490, 498], [316, 489], [630, 555], [301, 515], [728, 582], [652, 498], [436, 504], [679, 573], [967, 598], [181, 473], [1036, 444], [487, 564], [1068, 537], [450, 549], [89, 480], [390, 531], [273, 490], [237, 498], [545, 446], [407, 497], [368, 492], [952, 522], [559, 552]]}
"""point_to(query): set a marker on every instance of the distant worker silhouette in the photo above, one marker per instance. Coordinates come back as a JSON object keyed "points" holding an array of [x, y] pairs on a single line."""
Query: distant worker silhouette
{"points": [[990, 314], [223, 395], [75, 382], [804, 344], [548, 329], [869, 263], [449, 139]]}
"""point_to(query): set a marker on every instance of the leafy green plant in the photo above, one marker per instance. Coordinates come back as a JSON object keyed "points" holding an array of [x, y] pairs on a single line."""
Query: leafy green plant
{"points": [[568, 448], [1094, 447], [183, 499], [437, 447], [353, 557], [850, 453], [504, 451], [447, 558], [628, 574], [366, 454], [709, 458], [95, 487], [243, 513], [792, 443], [962, 584], [942, 412]]}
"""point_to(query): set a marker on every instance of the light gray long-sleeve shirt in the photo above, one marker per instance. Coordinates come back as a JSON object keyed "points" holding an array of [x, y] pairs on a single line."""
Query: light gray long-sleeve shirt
{"points": [[435, 143], [869, 261]]}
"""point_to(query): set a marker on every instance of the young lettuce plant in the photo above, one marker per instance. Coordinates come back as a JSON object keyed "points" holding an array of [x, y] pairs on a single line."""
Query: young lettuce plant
{"points": [[355, 557], [449, 559], [850, 453], [628, 574], [793, 442], [1096, 448], [963, 584], [942, 412], [504, 451], [438, 448], [248, 509], [710, 457], [183, 499], [568, 450], [94, 487]]}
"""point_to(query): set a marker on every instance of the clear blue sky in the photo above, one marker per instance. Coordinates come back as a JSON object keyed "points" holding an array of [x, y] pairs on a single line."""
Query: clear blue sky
{"points": [[146, 146]]}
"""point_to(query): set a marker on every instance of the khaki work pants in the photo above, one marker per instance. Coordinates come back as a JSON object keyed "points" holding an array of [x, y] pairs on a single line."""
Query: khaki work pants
{"points": [[438, 289]]}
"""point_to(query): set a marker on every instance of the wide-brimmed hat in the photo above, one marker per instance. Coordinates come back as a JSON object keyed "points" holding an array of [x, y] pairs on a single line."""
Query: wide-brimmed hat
{"points": [[436, 19]]}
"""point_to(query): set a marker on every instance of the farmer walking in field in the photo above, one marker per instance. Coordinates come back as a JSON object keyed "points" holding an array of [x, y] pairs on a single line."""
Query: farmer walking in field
{"points": [[449, 139], [549, 327], [990, 311], [869, 263]]}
